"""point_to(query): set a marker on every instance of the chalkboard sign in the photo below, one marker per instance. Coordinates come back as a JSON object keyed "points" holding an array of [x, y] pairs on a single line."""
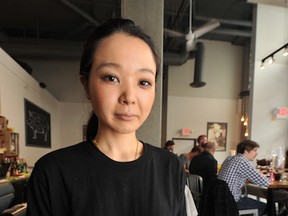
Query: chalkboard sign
{"points": [[37, 126]]}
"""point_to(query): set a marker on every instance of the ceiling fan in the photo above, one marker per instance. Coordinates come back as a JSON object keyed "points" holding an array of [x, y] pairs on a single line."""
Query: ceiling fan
{"points": [[191, 36]]}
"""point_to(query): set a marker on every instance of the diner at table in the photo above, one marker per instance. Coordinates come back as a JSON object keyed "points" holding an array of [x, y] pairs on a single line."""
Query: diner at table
{"points": [[264, 187], [236, 170]]}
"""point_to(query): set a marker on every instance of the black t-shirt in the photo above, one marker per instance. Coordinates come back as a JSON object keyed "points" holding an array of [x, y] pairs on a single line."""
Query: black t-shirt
{"points": [[80, 180]]}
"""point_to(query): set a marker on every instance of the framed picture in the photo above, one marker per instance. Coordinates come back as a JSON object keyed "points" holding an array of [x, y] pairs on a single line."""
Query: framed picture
{"points": [[217, 133], [183, 145], [37, 126]]}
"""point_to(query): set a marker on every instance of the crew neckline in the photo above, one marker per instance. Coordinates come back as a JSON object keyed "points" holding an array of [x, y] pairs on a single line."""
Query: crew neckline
{"points": [[127, 165]]}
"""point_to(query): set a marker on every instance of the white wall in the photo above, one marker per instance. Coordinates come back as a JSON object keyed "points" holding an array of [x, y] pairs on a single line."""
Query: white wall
{"points": [[15, 85], [216, 102], [270, 88], [194, 113], [73, 117], [222, 69]]}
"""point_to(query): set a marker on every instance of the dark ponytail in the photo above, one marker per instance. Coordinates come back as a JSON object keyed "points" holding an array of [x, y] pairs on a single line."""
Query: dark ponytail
{"points": [[92, 127]]}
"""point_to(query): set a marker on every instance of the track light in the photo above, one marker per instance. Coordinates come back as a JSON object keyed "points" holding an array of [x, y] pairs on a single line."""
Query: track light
{"points": [[262, 66], [271, 58], [285, 53]]}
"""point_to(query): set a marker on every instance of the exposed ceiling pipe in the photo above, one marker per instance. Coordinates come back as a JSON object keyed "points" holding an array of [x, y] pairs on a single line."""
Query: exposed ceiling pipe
{"points": [[3, 37], [43, 51], [73, 32], [226, 21], [232, 32], [80, 12], [175, 59], [198, 68]]}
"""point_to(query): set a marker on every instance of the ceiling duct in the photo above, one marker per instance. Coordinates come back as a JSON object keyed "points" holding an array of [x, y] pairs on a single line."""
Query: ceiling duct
{"points": [[199, 56], [175, 59]]}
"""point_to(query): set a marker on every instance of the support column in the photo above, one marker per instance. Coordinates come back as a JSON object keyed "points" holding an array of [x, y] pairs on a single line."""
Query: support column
{"points": [[149, 15]]}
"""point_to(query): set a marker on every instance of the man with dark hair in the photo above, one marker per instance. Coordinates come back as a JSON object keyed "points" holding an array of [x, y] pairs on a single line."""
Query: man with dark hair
{"points": [[187, 157], [201, 140], [205, 164], [169, 146], [236, 170]]}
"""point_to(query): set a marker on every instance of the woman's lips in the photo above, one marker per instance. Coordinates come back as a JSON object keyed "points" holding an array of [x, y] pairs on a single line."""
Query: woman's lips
{"points": [[126, 116]]}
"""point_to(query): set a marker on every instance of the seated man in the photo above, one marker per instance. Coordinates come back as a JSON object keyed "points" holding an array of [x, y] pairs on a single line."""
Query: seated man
{"points": [[205, 164], [236, 170], [201, 140], [169, 146]]}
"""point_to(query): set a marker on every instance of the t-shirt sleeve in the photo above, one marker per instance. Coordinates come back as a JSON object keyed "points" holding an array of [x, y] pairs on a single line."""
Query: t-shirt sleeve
{"points": [[38, 196], [47, 195]]}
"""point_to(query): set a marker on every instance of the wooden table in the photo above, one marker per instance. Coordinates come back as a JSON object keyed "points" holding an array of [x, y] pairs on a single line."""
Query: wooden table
{"points": [[272, 194], [272, 188]]}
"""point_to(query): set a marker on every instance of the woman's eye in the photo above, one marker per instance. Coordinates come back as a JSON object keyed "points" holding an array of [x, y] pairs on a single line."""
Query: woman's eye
{"points": [[111, 78], [145, 83]]}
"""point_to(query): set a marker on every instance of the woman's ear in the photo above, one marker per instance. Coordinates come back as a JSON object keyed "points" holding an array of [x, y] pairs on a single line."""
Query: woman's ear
{"points": [[84, 82]]}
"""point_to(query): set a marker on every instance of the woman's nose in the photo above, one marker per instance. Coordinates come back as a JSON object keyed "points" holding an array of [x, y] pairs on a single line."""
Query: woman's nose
{"points": [[127, 96]]}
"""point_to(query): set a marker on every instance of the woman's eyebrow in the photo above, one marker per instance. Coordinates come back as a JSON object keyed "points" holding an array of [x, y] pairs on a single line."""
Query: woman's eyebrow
{"points": [[108, 64], [148, 70], [115, 65]]}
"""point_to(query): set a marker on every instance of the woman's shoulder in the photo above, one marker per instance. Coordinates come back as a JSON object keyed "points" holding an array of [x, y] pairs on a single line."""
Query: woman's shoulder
{"points": [[70, 153], [164, 162], [163, 155]]}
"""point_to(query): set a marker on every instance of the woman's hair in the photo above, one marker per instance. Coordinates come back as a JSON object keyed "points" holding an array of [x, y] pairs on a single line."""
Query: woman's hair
{"points": [[101, 32], [247, 145], [196, 149]]}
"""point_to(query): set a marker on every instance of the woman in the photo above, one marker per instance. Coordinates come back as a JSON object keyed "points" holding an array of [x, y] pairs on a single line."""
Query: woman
{"points": [[112, 173]]}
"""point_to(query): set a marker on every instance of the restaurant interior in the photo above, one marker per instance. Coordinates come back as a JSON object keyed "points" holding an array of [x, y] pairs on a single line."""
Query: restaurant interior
{"points": [[233, 78]]}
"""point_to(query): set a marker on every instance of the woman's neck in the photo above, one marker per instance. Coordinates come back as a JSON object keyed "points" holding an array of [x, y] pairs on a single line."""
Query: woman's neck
{"points": [[122, 148]]}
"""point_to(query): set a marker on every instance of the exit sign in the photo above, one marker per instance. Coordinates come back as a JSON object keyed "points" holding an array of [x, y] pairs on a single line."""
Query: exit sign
{"points": [[282, 113], [186, 131]]}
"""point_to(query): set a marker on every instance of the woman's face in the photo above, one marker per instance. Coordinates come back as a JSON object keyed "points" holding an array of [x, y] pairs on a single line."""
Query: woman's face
{"points": [[122, 83]]}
